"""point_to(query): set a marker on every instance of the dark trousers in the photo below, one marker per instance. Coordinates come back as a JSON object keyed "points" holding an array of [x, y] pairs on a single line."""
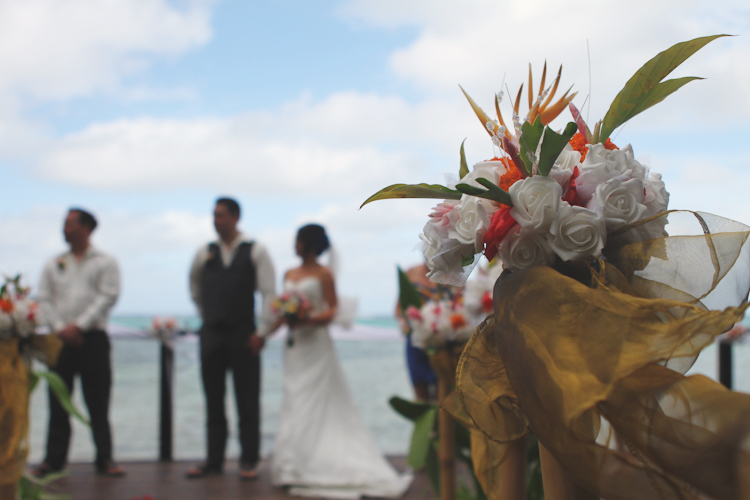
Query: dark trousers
{"points": [[223, 350], [92, 362]]}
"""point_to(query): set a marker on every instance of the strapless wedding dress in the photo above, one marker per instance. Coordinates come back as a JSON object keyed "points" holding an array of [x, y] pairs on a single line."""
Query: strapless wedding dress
{"points": [[323, 447]]}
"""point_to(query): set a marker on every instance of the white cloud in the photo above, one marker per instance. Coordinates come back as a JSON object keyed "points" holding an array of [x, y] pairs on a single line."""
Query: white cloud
{"points": [[477, 43], [57, 49], [348, 143]]}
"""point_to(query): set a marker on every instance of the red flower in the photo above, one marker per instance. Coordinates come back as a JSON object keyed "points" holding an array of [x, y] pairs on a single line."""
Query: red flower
{"points": [[487, 302], [500, 224], [571, 196]]}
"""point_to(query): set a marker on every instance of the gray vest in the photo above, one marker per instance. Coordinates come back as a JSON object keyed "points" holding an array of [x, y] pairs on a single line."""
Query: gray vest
{"points": [[228, 293]]}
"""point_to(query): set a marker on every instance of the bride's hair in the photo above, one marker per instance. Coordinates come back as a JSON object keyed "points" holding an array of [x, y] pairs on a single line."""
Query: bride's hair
{"points": [[313, 238]]}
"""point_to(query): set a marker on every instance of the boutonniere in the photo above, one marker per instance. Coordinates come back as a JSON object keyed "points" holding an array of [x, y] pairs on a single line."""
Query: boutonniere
{"points": [[61, 264], [210, 257]]}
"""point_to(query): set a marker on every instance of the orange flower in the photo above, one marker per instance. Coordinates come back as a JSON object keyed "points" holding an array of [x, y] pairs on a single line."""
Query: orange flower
{"points": [[578, 142], [458, 320], [511, 175]]}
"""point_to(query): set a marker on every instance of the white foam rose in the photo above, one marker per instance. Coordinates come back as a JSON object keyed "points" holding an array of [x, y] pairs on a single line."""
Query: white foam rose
{"points": [[563, 168], [470, 220], [577, 233], [656, 197], [490, 170], [536, 201], [442, 254], [618, 202], [523, 248], [602, 164]]}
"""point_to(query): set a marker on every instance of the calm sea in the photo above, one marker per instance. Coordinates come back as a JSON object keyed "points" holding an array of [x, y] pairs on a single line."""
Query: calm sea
{"points": [[375, 370]]}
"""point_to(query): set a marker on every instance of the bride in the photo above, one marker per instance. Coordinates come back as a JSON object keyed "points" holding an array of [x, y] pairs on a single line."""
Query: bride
{"points": [[323, 447]]}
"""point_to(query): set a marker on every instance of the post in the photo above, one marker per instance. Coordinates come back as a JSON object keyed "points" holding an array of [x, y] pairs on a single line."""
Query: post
{"points": [[725, 364], [447, 449], [165, 410]]}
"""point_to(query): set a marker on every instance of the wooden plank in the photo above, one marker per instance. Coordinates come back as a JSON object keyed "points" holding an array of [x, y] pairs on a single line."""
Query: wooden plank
{"points": [[166, 481]]}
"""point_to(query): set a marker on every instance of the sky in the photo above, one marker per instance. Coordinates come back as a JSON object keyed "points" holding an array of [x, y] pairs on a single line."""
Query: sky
{"points": [[145, 111]]}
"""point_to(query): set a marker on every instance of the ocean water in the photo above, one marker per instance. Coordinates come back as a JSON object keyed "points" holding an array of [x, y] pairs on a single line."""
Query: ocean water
{"points": [[375, 370]]}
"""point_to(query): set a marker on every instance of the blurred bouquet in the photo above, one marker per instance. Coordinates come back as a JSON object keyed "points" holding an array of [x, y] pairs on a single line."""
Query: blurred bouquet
{"points": [[440, 322], [18, 312], [292, 306], [164, 329], [477, 293]]}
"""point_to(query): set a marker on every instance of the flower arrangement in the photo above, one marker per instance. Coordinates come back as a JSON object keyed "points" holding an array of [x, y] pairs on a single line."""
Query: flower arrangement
{"points": [[439, 322], [549, 195], [164, 329], [291, 305], [18, 312]]}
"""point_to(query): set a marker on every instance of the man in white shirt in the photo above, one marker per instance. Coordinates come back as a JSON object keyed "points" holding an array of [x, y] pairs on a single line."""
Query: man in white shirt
{"points": [[223, 279], [76, 292]]}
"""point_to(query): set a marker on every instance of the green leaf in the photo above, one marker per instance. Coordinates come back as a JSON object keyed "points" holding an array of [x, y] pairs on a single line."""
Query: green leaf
{"points": [[467, 261], [407, 293], [432, 468], [530, 136], [493, 192], [552, 144], [464, 168], [33, 381], [411, 410], [421, 439], [57, 385], [638, 93], [414, 191]]}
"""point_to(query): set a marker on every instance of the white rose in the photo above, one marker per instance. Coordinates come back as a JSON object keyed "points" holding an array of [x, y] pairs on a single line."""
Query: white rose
{"points": [[469, 221], [656, 197], [577, 233], [443, 255], [522, 248], [602, 164], [432, 237], [563, 168], [618, 202], [535, 200], [490, 170]]}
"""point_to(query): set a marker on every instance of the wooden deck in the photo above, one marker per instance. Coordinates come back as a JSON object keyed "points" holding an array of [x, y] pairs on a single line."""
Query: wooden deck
{"points": [[166, 481]]}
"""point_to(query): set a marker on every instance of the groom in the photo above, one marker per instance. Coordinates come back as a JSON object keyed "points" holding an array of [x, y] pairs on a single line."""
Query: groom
{"points": [[223, 279]]}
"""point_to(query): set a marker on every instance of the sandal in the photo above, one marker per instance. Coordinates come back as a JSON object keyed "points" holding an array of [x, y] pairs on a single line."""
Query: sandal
{"points": [[203, 470], [110, 469], [248, 471]]}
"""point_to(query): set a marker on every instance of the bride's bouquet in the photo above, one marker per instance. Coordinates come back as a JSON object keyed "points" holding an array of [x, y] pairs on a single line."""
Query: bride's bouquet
{"points": [[293, 306], [18, 312]]}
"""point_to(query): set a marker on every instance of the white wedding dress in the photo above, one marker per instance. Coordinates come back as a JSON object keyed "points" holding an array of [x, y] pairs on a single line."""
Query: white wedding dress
{"points": [[323, 447]]}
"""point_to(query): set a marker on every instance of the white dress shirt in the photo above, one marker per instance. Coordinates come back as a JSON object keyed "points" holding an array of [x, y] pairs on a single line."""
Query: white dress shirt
{"points": [[265, 280], [79, 292]]}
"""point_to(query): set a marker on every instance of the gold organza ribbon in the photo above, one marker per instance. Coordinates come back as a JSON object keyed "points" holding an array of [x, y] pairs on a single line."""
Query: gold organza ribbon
{"points": [[591, 360], [14, 401]]}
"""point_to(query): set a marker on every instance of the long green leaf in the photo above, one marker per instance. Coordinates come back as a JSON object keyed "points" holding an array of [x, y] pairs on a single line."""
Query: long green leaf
{"points": [[630, 101], [552, 144], [414, 191], [33, 381], [57, 385], [421, 439], [661, 92], [464, 168], [530, 136], [493, 192], [410, 410], [432, 468], [407, 293]]}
